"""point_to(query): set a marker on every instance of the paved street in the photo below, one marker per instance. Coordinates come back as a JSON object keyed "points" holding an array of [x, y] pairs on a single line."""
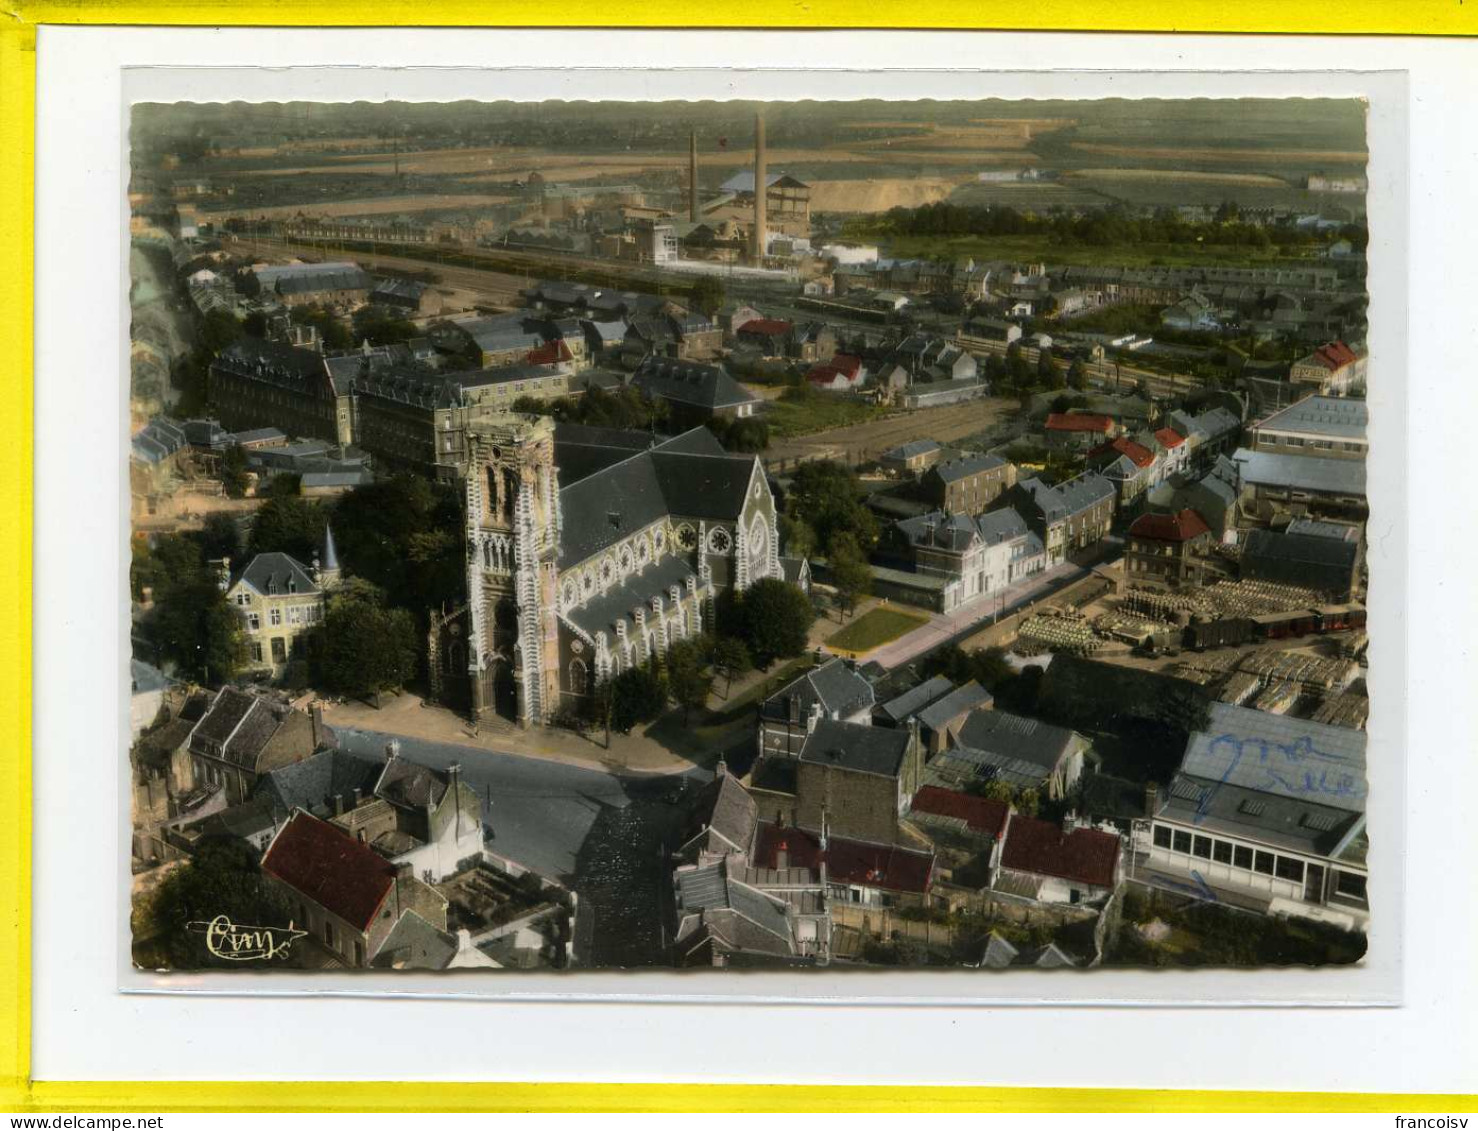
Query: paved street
{"points": [[599, 833]]}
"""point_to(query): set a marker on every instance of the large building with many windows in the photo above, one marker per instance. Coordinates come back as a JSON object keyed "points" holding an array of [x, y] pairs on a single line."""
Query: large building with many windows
{"points": [[279, 599], [589, 551], [1268, 813]]}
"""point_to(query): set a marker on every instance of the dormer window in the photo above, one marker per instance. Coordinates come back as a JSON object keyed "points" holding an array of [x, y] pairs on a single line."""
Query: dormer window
{"points": [[272, 587], [292, 584]]}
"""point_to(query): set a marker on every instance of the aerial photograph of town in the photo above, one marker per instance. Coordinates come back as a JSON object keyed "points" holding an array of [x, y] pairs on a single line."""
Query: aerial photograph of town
{"points": [[748, 535]]}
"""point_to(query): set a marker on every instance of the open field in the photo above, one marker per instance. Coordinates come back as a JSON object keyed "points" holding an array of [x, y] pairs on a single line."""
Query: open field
{"points": [[879, 195], [1228, 156], [875, 628], [859, 442], [815, 413], [1177, 175]]}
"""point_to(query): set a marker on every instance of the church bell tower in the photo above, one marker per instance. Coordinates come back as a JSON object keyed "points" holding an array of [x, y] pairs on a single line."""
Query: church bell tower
{"points": [[513, 530]]}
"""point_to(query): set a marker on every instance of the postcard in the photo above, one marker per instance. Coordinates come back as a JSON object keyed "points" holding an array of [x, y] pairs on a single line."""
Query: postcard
{"points": [[794, 536]]}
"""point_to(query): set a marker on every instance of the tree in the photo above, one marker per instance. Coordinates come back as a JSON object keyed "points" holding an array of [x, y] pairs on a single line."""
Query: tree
{"points": [[1027, 801], [637, 695], [850, 573], [254, 325], [796, 536], [364, 647], [381, 326], [196, 629], [218, 329], [233, 471], [222, 877], [707, 295], [287, 525], [732, 657], [335, 334], [827, 496], [220, 537], [777, 620], [403, 535], [1077, 375], [689, 680]]}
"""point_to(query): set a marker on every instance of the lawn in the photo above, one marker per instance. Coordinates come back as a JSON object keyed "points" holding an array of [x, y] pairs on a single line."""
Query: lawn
{"points": [[875, 628], [819, 412]]}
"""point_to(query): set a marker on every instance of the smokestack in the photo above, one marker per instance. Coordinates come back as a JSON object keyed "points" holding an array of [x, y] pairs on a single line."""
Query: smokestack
{"points": [[693, 176], [759, 189]]}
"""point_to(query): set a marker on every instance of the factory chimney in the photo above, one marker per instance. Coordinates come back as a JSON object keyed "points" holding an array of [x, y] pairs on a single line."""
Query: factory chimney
{"points": [[758, 247], [693, 176]]}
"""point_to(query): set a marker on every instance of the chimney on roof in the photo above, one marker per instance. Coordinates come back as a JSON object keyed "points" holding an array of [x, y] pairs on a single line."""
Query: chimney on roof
{"points": [[1151, 799], [358, 796], [315, 713], [338, 805], [392, 749], [782, 856]]}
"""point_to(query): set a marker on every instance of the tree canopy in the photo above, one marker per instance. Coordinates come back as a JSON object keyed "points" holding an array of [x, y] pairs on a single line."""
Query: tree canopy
{"points": [[775, 620], [828, 498], [364, 647]]}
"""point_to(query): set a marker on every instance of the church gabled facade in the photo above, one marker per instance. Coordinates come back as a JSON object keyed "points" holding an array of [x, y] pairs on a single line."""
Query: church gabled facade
{"points": [[590, 551]]}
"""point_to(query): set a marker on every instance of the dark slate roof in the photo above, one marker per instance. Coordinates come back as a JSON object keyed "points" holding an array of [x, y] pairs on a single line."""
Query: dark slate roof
{"points": [[856, 746], [272, 361], [602, 612], [1308, 473], [1313, 551], [1341, 418], [1274, 754], [313, 783], [836, 685], [255, 731], [1043, 848], [1000, 732], [607, 506], [581, 450], [687, 382], [416, 944], [937, 530], [1004, 525], [331, 868], [974, 463], [725, 807], [224, 716], [289, 575], [409, 785], [936, 715], [911, 449], [1298, 823], [1070, 498], [916, 698]]}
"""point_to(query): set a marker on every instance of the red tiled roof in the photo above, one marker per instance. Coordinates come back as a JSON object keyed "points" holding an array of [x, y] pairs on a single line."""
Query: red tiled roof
{"points": [[768, 326], [331, 868], [550, 353], [1169, 438], [1044, 849], [1180, 527], [850, 364], [1333, 355], [1140, 454], [1079, 422], [847, 861], [981, 813]]}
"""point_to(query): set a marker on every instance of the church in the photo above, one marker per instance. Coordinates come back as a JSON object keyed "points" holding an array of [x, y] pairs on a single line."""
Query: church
{"points": [[589, 551]]}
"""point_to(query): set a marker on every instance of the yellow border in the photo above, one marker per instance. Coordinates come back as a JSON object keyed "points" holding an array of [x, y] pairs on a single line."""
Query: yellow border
{"points": [[18, 24]]}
